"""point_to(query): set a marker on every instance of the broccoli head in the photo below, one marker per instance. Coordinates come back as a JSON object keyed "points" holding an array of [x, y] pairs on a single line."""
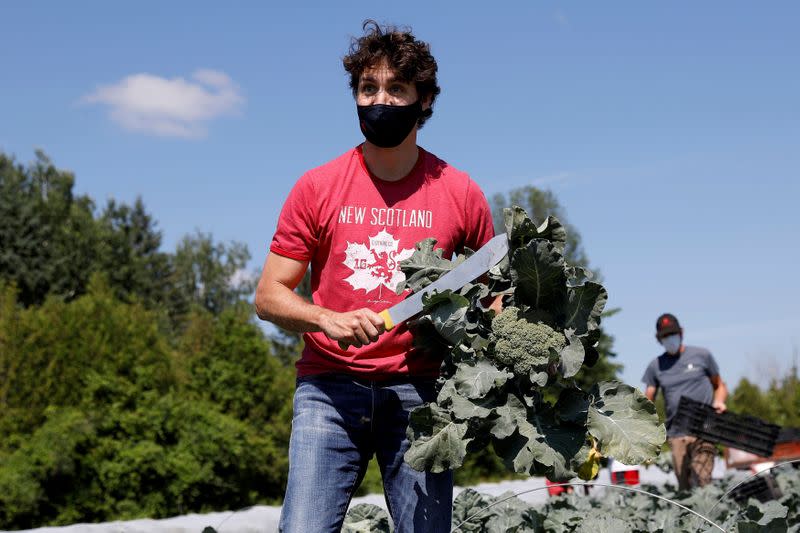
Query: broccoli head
{"points": [[522, 344]]}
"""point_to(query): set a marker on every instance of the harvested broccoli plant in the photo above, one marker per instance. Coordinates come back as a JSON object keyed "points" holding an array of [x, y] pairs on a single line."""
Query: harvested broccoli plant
{"points": [[501, 372]]}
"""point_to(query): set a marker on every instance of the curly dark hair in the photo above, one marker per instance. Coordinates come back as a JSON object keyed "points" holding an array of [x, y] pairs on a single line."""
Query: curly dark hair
{"points": [[409, 58]]}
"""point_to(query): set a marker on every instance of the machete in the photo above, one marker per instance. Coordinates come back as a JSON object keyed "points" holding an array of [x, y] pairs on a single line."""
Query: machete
{"points": [[471, 268]]}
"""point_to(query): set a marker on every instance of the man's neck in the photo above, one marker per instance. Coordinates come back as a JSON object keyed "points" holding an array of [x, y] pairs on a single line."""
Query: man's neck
{"points": [[392, 164]]}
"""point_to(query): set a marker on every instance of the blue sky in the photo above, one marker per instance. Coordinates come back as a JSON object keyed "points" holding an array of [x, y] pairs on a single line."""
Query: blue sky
{"points": [[670, 132]]}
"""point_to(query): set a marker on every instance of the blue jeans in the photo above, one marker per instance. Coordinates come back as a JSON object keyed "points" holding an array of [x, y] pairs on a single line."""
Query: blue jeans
{"points": [[339, 423]]}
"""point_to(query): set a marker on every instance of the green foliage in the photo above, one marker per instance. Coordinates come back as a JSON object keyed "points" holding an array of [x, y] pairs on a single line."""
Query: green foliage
{"points": [[47, 235], [107, 421], [210, 274], [475, 512], [228, 363], [779, 403], [620, 511], [51, 243], [617, 511], [149, 456], [372, 482], [501, 371], [483, 466], [133, 382], [48, 354], [366, 518], [129, 254]]}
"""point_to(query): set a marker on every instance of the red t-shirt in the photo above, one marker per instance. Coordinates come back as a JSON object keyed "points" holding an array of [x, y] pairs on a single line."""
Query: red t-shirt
{"points": [[355, 228]]}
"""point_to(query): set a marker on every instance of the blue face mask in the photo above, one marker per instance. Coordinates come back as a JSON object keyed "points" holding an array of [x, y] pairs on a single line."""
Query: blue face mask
{"points": [[672, 343]]}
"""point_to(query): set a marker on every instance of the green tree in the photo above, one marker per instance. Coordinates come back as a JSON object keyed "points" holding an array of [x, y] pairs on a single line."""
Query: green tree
{"points": [[48, 237], [129, 254], [106, 420], [779, 404], [786, 395], [48, 353], [228, 362], [104, 412], [51, 243], [212, 275], [747, 398]]}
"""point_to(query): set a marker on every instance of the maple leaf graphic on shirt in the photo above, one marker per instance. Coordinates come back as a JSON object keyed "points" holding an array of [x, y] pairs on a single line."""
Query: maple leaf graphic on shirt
{"points": [[377, 264]]}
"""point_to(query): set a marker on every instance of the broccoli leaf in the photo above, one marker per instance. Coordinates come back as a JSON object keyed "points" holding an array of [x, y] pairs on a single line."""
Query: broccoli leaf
{"points": [[603, 523], [448, 314], [476, 381], [366, 518], [625, 423], [577, 275], [469, 511], [768, 517], [538, 378], [425, 266], [540, 445], [466, 409], [508, 514], [521, 229], [572, 406], [591, 467], [507, 417], [571, 356], [437, 442], [537, 270], [584, 306]]}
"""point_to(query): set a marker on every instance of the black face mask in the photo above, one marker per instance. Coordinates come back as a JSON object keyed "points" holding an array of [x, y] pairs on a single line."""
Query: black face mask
{"points": [[387, 126]]}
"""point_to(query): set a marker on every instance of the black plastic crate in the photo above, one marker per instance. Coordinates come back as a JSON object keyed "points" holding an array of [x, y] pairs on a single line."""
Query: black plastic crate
{"points": [[729, 429], [763, 488], [788, 435]]}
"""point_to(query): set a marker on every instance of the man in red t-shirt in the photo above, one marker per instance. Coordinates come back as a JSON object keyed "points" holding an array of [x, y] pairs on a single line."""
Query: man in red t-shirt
{"points": [[353, 220]]}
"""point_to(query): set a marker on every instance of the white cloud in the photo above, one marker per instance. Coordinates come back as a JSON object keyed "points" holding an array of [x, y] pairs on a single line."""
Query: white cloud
{"points": [[561, 18], [170, 107]]}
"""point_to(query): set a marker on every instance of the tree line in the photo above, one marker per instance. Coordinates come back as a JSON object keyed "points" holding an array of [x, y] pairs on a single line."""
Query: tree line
{"points": [[133, 381]]}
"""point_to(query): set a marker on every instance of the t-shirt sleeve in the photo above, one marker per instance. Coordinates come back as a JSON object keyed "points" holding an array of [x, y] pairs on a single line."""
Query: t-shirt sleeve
{"points": [[711, 365], [649, 377], [480, 226], [296, 236]]}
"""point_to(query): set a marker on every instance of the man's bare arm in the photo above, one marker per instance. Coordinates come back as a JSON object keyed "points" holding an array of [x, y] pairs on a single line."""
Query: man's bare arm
{"points": [[277, 302], [650, 393], [720, 393]]}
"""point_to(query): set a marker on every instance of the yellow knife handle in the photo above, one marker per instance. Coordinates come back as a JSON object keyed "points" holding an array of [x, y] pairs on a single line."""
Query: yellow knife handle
{"points": [[387, 322], [387, 319]]}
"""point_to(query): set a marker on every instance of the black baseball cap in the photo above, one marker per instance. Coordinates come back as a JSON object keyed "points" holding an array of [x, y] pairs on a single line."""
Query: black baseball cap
{"points": [[667, 324]]}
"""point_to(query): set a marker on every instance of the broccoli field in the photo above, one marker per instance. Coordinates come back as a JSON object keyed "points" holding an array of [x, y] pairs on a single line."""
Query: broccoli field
{"points": [[616, 510]]}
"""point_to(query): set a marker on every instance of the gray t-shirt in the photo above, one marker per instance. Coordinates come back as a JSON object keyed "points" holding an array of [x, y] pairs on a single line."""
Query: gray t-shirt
{"points": [[684, 375]]}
